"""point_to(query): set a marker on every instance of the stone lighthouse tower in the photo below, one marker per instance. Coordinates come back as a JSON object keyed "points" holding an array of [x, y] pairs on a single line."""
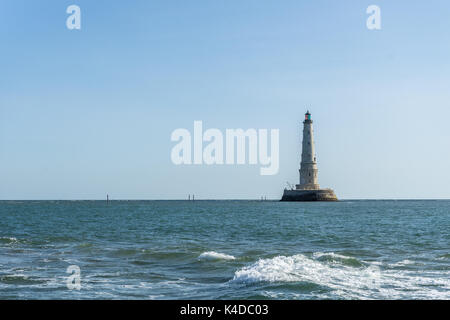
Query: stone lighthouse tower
{"points": [[308, 166], [308, 189]]}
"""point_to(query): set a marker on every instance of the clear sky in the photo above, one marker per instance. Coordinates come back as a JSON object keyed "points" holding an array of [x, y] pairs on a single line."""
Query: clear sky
{"points": [[88, 112]]}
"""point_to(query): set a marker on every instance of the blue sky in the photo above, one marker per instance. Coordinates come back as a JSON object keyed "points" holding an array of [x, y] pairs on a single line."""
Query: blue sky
{"points": [[89, 112]]}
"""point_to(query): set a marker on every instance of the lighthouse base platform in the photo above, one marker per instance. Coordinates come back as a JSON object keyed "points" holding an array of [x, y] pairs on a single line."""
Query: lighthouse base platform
{"points": [[309, 195]]}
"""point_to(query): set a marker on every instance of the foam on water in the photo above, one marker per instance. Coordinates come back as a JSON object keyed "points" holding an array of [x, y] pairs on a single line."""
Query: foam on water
{"points": [[367, 282], [337, 259], [212, 255], [8, 239], [402, 263]]}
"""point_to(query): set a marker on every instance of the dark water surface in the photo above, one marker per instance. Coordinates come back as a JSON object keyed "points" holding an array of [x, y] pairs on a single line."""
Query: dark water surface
{"points": [[225, 249]]}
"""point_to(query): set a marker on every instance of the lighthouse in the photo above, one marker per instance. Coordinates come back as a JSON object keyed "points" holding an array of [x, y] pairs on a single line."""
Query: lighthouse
{"points": [[308, 189], [308, 166]]}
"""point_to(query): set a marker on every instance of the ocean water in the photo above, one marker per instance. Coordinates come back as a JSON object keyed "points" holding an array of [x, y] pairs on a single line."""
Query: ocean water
{"points": [[225, 249]]}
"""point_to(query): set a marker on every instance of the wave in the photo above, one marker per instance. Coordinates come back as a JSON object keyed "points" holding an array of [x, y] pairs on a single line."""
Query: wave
{"points": [[126, 252], [8, 240], [85, 245], [337, 259], [212, 255], [350, 282], [19, 279], [402, 263]]}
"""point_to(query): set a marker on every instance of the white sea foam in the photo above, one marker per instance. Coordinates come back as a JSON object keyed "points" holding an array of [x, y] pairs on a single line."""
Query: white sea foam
{"points": [[402, 263], [11, 239], [366, 282], [329, 254], [212, 255]]}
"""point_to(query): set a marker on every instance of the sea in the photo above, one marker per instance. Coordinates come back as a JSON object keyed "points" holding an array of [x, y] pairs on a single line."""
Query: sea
{"points": [[351, 249]]}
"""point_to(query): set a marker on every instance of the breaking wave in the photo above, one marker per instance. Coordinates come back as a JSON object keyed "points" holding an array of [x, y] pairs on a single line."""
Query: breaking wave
{"points": [[211, 255], [367, 281], [8, 240]]}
